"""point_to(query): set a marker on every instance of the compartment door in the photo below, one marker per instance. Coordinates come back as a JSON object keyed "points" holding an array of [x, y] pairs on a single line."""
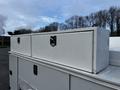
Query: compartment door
{"points": [[42, 78], [21, 44], [71, 49], [13, 73]]}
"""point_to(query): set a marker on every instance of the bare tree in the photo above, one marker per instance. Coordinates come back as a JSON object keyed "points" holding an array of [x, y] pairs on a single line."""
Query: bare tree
{"points": [[112, 13], [117, 19]]}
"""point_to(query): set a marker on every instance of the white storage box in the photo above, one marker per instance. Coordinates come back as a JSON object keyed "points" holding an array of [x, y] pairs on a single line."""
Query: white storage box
{"points": [[21, 44], [115, 51], [85, 49]]}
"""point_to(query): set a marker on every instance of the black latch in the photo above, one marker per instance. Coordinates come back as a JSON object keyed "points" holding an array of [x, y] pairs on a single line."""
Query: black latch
{"points": [[9, 88], [10, 72], [18, 40], [53, 41], [35, 69]]}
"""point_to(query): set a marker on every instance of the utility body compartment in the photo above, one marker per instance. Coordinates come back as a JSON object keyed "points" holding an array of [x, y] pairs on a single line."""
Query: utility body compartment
{"points": [[85, 49], [21, 44], [40, 77]]}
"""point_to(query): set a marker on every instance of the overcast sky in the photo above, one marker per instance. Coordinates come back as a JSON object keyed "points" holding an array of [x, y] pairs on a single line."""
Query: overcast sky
{"points": [[37, 13]]}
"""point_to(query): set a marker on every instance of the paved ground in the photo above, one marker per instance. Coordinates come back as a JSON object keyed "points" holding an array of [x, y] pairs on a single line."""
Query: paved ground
{"points": [[4, 69]]}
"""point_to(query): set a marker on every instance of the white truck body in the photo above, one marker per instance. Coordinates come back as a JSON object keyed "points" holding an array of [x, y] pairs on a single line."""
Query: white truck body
{"points": [[67, 60]]}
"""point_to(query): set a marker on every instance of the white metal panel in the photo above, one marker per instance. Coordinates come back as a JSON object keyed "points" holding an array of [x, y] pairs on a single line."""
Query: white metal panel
{"points": [[24, 47], [13, 69], [114, 43], [47, 78], [23, 85], [114, 51], [115, 58], [112, 73], [82, 84], [72, 49], [101, 49]]}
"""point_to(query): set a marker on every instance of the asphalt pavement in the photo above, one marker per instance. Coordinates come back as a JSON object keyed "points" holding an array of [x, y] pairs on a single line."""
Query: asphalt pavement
{"points": [[4, 69]]}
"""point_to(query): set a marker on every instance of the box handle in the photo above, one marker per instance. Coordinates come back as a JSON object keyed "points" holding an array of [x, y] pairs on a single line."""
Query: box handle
{"points": [[10, 72], [9, 88], [35, 69], [18, 40], [53, 41]]}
